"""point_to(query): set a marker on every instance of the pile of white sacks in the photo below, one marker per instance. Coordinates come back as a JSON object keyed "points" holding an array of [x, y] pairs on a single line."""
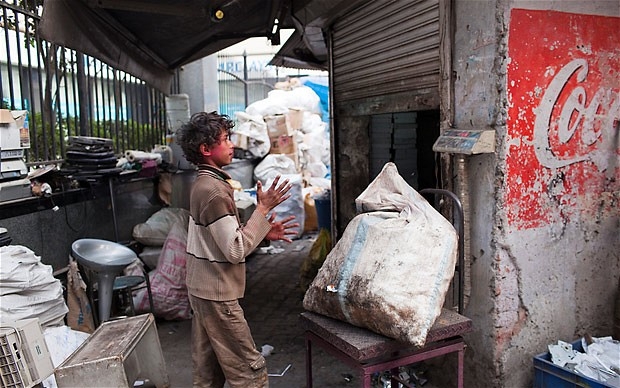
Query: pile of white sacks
{"points": [[300, 106], [28, 288], [285, 131]]}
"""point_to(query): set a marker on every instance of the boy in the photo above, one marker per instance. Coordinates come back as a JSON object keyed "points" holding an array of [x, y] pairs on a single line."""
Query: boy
{"points": [[222, 346]]}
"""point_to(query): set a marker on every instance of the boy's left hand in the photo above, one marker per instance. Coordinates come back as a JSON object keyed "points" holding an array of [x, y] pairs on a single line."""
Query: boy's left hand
{"points": [[280, 230]]}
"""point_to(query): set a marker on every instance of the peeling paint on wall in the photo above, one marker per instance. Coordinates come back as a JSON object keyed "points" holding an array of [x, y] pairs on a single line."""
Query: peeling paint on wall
{"points": [[510, 313], [563, 140]]}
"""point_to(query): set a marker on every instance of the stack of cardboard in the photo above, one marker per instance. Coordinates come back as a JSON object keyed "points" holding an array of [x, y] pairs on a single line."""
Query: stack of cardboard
{"points": [[281, 136]]}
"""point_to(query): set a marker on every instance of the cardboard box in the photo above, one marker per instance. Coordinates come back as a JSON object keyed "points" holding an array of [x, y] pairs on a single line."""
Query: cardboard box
{"points": [[14, 129], [276, 126], [282, 145], [281, 140], [294, 119]]}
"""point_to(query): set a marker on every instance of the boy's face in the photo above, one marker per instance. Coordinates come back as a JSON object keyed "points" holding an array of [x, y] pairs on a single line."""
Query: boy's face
{"points": [[220, 154]]}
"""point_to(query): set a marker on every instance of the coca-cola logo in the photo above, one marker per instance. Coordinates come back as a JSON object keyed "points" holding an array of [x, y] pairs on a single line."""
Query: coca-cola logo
{"points": [[563, 117], [570, 119]]}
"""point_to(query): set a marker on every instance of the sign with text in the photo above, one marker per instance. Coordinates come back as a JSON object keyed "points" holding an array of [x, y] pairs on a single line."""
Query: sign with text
{"points": [[563, 140]]}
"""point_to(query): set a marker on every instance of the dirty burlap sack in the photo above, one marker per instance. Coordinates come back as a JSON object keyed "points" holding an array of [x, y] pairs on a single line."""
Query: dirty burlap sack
{"points": [[80, 316], [392, 268]]}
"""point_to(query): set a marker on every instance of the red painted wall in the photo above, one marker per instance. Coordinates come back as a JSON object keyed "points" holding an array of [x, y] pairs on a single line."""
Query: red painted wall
{"points": [[563, 117]]}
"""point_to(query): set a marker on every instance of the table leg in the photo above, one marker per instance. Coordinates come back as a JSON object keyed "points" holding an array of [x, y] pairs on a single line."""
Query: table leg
{"points": [[393, 381], [461, 358], [113, 205], [308, 362], [366, 379]]}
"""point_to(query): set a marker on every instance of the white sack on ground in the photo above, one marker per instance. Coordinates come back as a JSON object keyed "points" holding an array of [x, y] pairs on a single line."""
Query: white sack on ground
{"points": [[391, 269], [153, 232], [21, 270], [28, 288]]}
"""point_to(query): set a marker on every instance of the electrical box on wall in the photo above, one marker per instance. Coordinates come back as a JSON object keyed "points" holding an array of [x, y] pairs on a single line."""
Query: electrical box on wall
{"points": [[468, 142]]}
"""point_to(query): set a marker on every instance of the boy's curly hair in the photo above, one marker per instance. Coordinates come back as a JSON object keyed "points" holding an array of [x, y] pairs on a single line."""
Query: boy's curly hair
{"points": [[202, 128]]}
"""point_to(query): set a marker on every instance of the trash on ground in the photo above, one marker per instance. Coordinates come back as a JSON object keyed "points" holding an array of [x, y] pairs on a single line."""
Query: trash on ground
{"points": [[269, 250], [599, 361], [408, 376], [281, 373], [266, 350]]}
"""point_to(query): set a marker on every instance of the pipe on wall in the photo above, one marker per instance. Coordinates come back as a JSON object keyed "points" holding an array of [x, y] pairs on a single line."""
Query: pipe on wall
{"points": [[462, 190]]}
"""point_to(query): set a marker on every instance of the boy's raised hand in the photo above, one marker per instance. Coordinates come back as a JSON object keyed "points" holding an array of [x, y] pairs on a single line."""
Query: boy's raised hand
{"points": [[273, 196], [281, 230]]}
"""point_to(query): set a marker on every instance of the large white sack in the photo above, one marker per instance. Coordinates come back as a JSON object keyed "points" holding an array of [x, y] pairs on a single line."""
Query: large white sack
{"points": [[302, 97], [22, 270], [273, 165], [270, 106], [278, 102], [28, 288], [312, 153], [154, 231], [391, 269]]}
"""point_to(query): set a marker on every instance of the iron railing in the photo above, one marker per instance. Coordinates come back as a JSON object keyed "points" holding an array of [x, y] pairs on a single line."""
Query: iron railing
{"points": [[239, 87], [67, 93]]}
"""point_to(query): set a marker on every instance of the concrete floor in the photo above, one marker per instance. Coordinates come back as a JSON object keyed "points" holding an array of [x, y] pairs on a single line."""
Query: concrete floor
{"points": [[272, 306]]}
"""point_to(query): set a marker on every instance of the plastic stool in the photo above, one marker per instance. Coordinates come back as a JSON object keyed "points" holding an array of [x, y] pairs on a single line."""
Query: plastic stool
{"points": [[125, 285], [107, 259]]}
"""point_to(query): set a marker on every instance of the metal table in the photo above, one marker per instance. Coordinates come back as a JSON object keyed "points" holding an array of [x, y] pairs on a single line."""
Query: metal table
{"points": [[368, 352]]}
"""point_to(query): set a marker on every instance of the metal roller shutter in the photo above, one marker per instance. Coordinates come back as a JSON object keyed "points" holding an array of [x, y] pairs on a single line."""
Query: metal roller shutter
{"points": [[386, 47]]}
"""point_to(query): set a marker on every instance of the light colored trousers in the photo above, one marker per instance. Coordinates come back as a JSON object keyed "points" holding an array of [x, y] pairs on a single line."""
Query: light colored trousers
{"points": [[223, 349]]}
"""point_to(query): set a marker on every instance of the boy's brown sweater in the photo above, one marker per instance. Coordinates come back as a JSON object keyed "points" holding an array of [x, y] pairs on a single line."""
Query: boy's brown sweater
{"points": [[217, 243]]}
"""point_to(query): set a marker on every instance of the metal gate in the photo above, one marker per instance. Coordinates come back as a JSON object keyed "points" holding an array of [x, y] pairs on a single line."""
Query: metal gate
{"points": [[67, 93], [386, 47]]}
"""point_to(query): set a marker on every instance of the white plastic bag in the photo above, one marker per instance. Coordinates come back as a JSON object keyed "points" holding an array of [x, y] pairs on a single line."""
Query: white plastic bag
{"points": [[273, 165]]}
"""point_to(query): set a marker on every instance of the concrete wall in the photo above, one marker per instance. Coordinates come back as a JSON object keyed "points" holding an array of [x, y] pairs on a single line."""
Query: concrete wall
{"points": [[544, 235], [199, 81], [477, 94]]}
